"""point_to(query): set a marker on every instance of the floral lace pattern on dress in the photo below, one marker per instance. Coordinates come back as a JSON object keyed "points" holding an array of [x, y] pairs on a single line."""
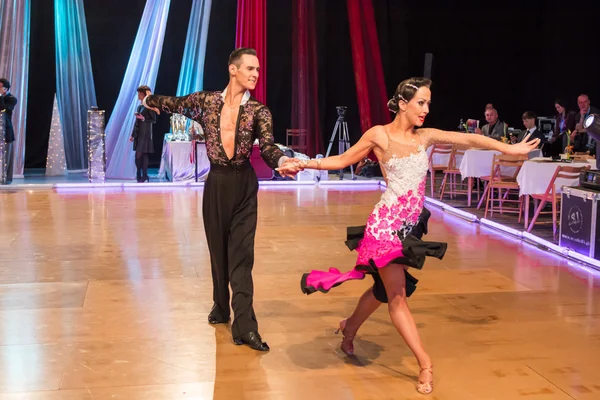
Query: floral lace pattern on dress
{"points": [[395, 215]]}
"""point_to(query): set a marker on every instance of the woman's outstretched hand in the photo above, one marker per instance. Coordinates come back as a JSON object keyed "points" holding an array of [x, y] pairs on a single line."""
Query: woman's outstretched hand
{"points": [[523, 147]]}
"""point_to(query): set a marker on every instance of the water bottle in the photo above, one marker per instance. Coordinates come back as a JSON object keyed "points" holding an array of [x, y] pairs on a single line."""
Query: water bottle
{"points": [[318, 175]]}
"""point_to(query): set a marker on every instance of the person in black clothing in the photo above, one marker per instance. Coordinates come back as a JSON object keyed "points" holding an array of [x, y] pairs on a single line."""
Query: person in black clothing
{"points": [[8, 103], [565, 124], [232, 120], [142, 135], [529, 120], [583, 142]]}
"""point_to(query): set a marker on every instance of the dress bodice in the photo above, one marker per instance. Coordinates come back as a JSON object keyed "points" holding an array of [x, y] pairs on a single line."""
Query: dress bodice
{"points": [[405, 172]]}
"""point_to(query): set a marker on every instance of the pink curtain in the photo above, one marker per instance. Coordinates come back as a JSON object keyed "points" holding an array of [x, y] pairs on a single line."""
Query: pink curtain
{"points": [[251, 31]]}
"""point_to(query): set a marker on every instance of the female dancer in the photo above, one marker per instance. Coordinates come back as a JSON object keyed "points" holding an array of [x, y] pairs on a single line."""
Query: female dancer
{"points": [[391, 241]]}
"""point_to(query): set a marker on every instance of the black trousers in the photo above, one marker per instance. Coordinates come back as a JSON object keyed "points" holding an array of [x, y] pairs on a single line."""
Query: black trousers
{"points": [[229, 210], [141, 163]]}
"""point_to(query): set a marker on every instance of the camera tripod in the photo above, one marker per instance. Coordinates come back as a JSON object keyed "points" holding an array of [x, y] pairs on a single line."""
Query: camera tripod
{"points": [[341, 128]]}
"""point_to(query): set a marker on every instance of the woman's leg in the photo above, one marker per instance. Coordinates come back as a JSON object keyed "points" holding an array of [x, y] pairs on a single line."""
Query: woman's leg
{"points": [[367, 304], [395, 285]]}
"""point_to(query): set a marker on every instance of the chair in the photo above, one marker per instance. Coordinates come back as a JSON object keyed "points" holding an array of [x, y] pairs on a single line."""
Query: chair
{"points": [[452, 171], [296, 140], [563, 172], [438, 149], [486, 180], [499, 182]]}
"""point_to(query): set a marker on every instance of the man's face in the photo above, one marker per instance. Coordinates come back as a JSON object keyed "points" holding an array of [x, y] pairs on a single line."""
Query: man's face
{"points": [[3, 90], [491, 116], [583, 102], [529, 123], [247, 73]]}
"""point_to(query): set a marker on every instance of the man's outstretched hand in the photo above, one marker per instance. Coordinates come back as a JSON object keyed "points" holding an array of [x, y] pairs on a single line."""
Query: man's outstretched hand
{"points": [[290, 168]]}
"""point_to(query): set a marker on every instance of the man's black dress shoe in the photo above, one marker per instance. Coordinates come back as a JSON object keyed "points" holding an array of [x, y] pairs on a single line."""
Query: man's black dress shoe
{"points": [[213, 320], [253, 340]]}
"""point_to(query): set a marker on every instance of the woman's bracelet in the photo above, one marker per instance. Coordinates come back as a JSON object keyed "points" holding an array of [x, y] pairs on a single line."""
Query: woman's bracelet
{"points": [[305, 163]]}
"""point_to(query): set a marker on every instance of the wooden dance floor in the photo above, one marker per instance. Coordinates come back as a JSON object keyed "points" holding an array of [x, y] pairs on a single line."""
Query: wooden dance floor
{"points": [[104, 295]]}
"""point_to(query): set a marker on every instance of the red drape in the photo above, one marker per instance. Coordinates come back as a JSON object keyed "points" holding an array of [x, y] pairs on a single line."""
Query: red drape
{"points": [[251, 31], [368, 68], [305, 99]]}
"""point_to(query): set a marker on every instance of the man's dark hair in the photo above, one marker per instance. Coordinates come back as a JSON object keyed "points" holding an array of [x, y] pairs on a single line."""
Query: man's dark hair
{"points": [[529, 115], [5, 83], [143, 89], [236, 55]]}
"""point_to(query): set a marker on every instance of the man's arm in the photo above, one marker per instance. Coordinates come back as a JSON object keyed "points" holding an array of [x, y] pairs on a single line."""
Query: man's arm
{"points": [[8, 103], [150, 116], [191, 105], [269, 151]]}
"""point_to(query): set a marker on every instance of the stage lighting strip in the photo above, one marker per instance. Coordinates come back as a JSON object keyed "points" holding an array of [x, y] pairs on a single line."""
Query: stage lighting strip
{"points": [[521, 235]]}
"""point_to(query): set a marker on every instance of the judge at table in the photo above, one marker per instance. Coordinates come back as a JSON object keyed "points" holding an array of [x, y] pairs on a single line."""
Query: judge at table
{"points": [[529, 120]]}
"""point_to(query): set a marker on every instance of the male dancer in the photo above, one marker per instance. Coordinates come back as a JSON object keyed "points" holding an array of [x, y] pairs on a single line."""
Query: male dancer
{"points": [[231, 120]]}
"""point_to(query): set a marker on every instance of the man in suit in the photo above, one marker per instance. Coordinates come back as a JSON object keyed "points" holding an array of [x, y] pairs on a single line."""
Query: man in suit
{"points": [[7, 104], [141, 136], [494, 127], [581, 140], [529, 120]]}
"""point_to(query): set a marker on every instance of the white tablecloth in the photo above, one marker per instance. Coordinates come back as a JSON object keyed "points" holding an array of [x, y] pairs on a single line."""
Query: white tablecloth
{"points": [[478, 163], [535, 177], [177, 162], [438, 159]]}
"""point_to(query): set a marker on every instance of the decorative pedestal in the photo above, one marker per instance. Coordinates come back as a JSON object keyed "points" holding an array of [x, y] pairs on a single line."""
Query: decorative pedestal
{"points": [[96, 146]]}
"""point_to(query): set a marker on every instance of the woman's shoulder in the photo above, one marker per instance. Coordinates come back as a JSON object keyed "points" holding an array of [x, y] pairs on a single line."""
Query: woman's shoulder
{"points": [[376, 132]]}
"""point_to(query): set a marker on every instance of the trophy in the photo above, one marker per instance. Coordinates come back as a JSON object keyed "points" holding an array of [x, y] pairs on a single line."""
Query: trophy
{"points": [[179, 127]]}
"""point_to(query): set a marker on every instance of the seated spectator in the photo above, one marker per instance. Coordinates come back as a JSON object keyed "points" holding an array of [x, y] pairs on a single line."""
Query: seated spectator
{"points": [[529, 122], [565, 122], [494, 128]]}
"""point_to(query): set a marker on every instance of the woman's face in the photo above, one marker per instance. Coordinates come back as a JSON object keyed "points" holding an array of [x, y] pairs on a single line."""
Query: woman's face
{"points": [[418, 107], [559, 109]]}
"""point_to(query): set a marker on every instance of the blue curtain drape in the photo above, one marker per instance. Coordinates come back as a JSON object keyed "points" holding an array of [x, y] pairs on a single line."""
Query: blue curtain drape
{"points": [[15, 22], [141, 70], [191, 77], [74, 79]]}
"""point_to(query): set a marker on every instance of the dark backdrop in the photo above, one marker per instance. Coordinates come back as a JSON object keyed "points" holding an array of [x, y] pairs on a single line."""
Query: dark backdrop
{"points": [[518, 55]]}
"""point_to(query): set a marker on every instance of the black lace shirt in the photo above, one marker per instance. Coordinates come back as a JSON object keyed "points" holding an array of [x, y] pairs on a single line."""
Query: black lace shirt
{"points": [[254, 122]]}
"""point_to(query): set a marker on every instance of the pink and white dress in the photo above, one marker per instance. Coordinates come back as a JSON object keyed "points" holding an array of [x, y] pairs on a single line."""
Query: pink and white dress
{"points": [[394, 228]]}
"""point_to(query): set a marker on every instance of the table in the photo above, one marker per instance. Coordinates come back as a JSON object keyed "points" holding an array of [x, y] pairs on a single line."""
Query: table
{"points": [[179, 164], [478, 163], [536, 174]]}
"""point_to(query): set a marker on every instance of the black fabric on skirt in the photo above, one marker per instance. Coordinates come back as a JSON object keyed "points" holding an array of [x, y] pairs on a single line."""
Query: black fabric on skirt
{"points": [[414, 252]]}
